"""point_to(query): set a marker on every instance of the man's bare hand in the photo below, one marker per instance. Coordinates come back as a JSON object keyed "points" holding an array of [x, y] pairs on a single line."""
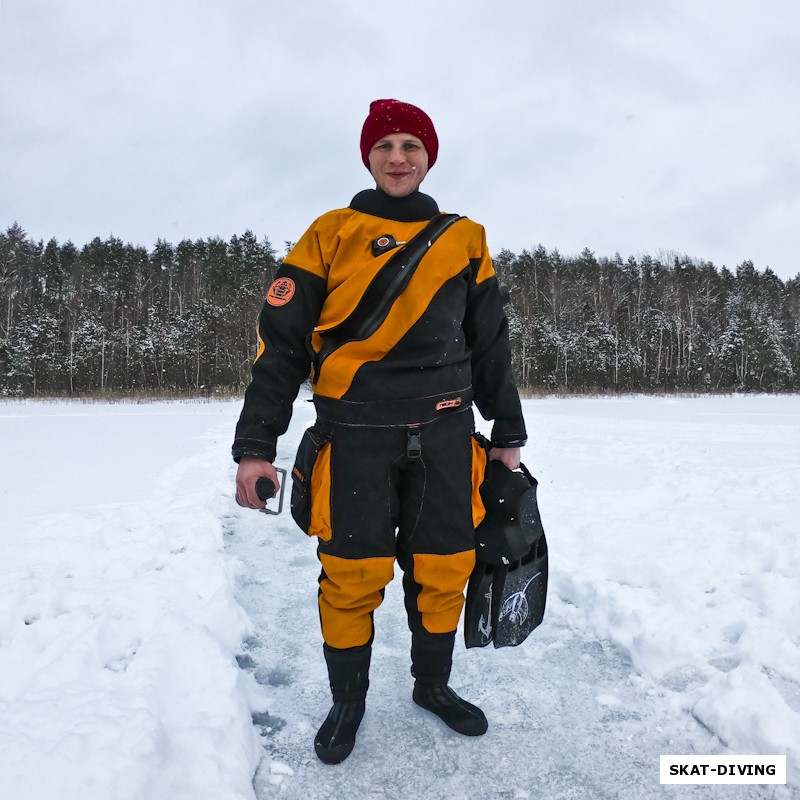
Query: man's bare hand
{"points": [[250, 470], [510, 456]]}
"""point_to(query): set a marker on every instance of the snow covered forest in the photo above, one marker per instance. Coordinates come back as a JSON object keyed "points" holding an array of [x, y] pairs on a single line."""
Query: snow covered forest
{"points": [[112, 317]]}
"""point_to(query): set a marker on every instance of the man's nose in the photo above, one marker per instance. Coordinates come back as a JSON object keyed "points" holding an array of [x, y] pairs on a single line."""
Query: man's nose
{"points": [[397, 156]]}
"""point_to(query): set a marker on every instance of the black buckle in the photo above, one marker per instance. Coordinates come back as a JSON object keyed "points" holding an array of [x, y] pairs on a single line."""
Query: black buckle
{"points": [[414, 445]]}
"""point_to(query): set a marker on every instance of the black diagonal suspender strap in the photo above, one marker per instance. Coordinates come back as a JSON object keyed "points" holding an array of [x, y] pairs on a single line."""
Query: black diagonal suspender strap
{"points": [[376, 302]]}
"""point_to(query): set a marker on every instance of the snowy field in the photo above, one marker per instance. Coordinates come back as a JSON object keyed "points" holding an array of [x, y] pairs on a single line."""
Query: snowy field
{"points": [[157, 642]]}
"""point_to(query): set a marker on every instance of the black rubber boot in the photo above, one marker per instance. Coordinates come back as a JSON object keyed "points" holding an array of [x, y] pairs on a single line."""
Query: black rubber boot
{"points": [[348, 671], [458, 714], [432, 658]]}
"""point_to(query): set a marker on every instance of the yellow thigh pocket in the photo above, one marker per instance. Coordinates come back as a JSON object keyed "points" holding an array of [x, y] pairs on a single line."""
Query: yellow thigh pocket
{"points": [[479, 458], [311, 484]]}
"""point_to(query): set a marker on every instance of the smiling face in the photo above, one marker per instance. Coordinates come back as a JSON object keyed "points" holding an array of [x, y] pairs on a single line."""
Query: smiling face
{"points": [[398, 162]]}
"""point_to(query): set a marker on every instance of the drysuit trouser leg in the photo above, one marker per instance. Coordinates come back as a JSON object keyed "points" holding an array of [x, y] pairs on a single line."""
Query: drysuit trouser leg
{"points": [[387, 502]]}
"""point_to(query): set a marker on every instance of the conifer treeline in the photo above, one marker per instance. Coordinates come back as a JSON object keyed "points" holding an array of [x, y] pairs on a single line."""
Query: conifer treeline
{"points": [[117, 317], [648, 324]]}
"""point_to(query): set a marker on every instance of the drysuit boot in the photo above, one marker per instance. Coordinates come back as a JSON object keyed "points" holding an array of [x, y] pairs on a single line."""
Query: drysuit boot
{"points": [[431, 661], [348, 671]]}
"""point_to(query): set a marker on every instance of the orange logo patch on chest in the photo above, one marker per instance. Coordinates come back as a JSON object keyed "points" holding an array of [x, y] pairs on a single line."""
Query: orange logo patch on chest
{"points": [[281, 292]]}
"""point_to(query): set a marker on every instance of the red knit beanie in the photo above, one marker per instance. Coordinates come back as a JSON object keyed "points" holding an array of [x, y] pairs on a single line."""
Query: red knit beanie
{"points": [[392, 116]]}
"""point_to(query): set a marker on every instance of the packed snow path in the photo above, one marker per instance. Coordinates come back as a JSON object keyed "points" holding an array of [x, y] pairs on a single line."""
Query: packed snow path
{"points": [[145, 618]]}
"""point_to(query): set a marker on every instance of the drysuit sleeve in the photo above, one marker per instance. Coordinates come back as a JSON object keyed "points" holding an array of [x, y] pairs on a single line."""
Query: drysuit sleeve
{"points": [[486, 330], [283, 362]]}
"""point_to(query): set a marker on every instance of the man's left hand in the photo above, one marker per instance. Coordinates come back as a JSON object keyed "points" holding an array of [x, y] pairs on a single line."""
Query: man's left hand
{"points": [[510, 456]]}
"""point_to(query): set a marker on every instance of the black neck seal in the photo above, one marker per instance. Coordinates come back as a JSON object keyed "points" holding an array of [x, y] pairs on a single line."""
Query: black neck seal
{"points": [[415, 207]]}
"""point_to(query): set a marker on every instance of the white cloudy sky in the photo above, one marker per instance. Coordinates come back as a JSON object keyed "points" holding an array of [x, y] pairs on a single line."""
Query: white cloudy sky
{"points": [[622, 125]]}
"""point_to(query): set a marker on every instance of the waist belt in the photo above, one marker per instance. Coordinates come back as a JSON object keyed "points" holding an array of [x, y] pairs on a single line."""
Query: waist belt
{"points": [[392, 413]]}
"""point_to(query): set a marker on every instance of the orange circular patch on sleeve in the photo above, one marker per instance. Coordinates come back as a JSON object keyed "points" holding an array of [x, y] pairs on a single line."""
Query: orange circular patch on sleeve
{"points": [[281, 292]]}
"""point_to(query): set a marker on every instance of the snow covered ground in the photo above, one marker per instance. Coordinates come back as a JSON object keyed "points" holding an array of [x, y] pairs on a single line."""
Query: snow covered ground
{"points": [[157, 642]]}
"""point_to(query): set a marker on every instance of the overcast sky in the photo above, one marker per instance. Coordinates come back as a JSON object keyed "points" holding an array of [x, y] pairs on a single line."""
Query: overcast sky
{"points": [[631, 127]]}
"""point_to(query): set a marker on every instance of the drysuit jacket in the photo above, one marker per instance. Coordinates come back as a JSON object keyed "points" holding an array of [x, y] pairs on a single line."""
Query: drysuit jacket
{"points": [[441, 345]]}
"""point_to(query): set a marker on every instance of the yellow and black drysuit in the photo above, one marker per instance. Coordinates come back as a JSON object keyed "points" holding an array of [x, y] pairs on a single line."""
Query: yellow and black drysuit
{"points": [[390, 469]]}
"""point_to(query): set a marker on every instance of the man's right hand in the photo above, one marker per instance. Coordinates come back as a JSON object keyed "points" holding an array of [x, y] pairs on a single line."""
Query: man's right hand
{"points": [[250, 470]]}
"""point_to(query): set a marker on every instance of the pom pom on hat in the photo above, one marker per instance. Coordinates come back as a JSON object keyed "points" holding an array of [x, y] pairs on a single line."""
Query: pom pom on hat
{"points": [[393, 116]]}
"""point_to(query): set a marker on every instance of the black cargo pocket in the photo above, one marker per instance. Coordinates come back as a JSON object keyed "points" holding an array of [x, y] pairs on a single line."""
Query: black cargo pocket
{"points": [[313, 442]]}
